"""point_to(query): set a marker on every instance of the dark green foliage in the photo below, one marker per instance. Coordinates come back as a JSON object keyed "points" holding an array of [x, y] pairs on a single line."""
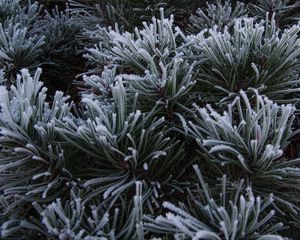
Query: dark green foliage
{"points": [[130, 13], [224, 212], [18, 50], [219, 15], [80, 219], [160, 86], [7, 9], [32, 162], [61, 58], [20, 47], [160, 73], [29, 40], [248, 141], [223, 13], [253, 55], [123, 145], [286, 11]]}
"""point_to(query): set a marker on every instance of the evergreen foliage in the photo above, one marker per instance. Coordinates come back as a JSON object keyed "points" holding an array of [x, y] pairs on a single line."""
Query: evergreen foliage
{"points": [[130, 13], [287, 11], [8, 9], [254, 55], [32, 161], [18, 49], [60, 50], [233, 215], [151, 120], [248, 141], [218, 14], [154, 63]]}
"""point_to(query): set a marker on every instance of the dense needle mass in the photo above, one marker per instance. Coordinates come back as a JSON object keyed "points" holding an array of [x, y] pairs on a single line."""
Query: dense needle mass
{"points": [[138, 119]]}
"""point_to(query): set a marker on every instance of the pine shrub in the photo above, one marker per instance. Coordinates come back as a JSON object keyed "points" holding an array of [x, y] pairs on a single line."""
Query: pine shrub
{"points": [[149, 120]]}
